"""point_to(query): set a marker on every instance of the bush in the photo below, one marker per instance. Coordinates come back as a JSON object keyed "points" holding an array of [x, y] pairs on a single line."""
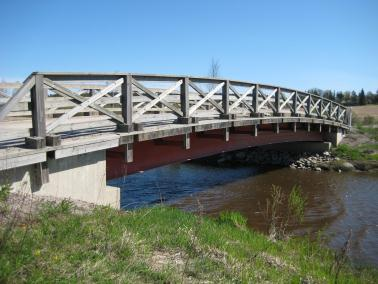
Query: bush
{"points": [[4, 195]]}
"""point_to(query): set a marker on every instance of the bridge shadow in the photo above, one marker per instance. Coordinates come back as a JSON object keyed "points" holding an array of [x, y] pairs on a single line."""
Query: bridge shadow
{"points": [[170, 183]]}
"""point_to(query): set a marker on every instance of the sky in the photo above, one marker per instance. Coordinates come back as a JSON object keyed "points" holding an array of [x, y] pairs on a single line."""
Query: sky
{"points": [[297, 44]]}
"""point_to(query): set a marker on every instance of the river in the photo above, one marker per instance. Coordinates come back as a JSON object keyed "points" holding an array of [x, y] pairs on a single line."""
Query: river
{"points": [[336, 203]]}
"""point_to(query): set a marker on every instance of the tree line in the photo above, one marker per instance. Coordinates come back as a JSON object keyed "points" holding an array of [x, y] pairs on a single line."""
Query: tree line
{"points": [[348, 98]]}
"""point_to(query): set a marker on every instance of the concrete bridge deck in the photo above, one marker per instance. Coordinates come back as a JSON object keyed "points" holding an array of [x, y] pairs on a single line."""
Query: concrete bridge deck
{"points": [[65, 134]]}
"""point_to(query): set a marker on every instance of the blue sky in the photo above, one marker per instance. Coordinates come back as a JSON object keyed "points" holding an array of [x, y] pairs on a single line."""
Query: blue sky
{"points": [[300, 44]]}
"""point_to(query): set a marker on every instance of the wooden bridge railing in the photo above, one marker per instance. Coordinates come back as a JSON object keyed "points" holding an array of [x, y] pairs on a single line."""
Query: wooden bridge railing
{"points": [[56, 102]]}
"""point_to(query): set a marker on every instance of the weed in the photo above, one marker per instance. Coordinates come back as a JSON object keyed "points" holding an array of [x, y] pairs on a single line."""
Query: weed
{"points": [[232, 218], [282, 211]]}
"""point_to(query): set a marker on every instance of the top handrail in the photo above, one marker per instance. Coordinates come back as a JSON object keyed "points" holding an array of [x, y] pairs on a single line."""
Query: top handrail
{"points": [[72, 76]]}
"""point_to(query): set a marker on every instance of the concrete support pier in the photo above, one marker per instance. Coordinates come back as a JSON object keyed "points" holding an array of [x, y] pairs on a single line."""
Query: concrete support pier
{"points": [[334, 136], [81, 177]]}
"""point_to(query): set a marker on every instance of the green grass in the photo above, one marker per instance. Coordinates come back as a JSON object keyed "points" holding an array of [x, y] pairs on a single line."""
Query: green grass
{"points": [[360, 153], [159, 244], [372, 132]]}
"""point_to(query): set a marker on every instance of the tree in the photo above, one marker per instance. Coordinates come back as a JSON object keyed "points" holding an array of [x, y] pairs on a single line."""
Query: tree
{"points": [[347, 98], [213, 72], [362, 98], [339, 97], [328, 94], [214, 68], [315, 91], [354, 98]]}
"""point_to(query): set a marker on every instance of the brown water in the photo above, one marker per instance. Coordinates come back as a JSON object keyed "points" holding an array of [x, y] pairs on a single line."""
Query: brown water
{"points": [[336, 202]]}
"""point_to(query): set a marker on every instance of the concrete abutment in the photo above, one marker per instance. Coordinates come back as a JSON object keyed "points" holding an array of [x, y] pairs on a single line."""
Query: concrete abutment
{"points": [[81, 177]]}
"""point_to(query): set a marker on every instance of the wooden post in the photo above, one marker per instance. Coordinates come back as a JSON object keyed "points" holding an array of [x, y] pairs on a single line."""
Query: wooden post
{"points": [[39, 127], [330, 110], [277, 101], [321, 107], [308, 127], [226, 97], [350, 117], [187, 141], [226, 100], [129, 153], [41, 173], [255, 101], [294, 127], [38, 107], [255, 129], [309, 105], [276, 128], [184, 100], [337, 112], [127, 103], [295, 104], [227, 134]]}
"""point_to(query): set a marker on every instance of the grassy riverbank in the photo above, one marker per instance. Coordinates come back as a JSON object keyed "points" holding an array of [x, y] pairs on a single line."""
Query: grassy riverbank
{"points": [[361, 144], [159, 244]]}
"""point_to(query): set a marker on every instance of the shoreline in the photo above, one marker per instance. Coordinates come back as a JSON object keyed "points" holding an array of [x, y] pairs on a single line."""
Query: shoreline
{"points": [[160, 244]]}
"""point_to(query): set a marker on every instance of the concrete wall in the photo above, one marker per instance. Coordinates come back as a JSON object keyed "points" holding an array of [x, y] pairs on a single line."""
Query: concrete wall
{"points": [[335, 136], [81, 177]]}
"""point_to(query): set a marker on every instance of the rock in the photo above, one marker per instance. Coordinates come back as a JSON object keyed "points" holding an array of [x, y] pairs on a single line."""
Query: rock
{"points": [[346, 166], [318, 169], [327, 154]]}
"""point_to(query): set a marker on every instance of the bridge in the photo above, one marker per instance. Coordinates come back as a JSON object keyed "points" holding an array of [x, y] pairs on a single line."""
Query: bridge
{"points": [[66, 134]]}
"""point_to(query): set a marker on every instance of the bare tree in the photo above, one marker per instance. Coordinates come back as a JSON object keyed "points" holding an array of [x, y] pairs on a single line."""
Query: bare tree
{"points": [[213, 72], [214, 68]]}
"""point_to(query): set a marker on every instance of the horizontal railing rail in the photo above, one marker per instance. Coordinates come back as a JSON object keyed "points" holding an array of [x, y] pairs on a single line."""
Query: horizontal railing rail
{"points": [[124, 100]]}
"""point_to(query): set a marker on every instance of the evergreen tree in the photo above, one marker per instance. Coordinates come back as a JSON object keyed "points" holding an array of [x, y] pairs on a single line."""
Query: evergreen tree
{"points": [[354, 98], [362, 98], [339, 97]]}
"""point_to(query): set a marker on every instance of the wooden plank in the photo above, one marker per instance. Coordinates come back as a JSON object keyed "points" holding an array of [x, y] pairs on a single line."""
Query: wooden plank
{"points": [[84, 104], [241, 98], [287, 100], [25, 88], [266, 100], [76, 98], [159, 98], [301, 102], [154, 96], [86, 148], [205, 98], [314, 105], [202, 94]]}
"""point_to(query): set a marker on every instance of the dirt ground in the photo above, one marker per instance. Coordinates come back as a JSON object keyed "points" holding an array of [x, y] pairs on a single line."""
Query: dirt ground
{"points": [[368, 110]]}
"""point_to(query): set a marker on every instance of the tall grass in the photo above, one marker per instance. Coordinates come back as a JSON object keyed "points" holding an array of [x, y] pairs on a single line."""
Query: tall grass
{"points": [[162, 245]]}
